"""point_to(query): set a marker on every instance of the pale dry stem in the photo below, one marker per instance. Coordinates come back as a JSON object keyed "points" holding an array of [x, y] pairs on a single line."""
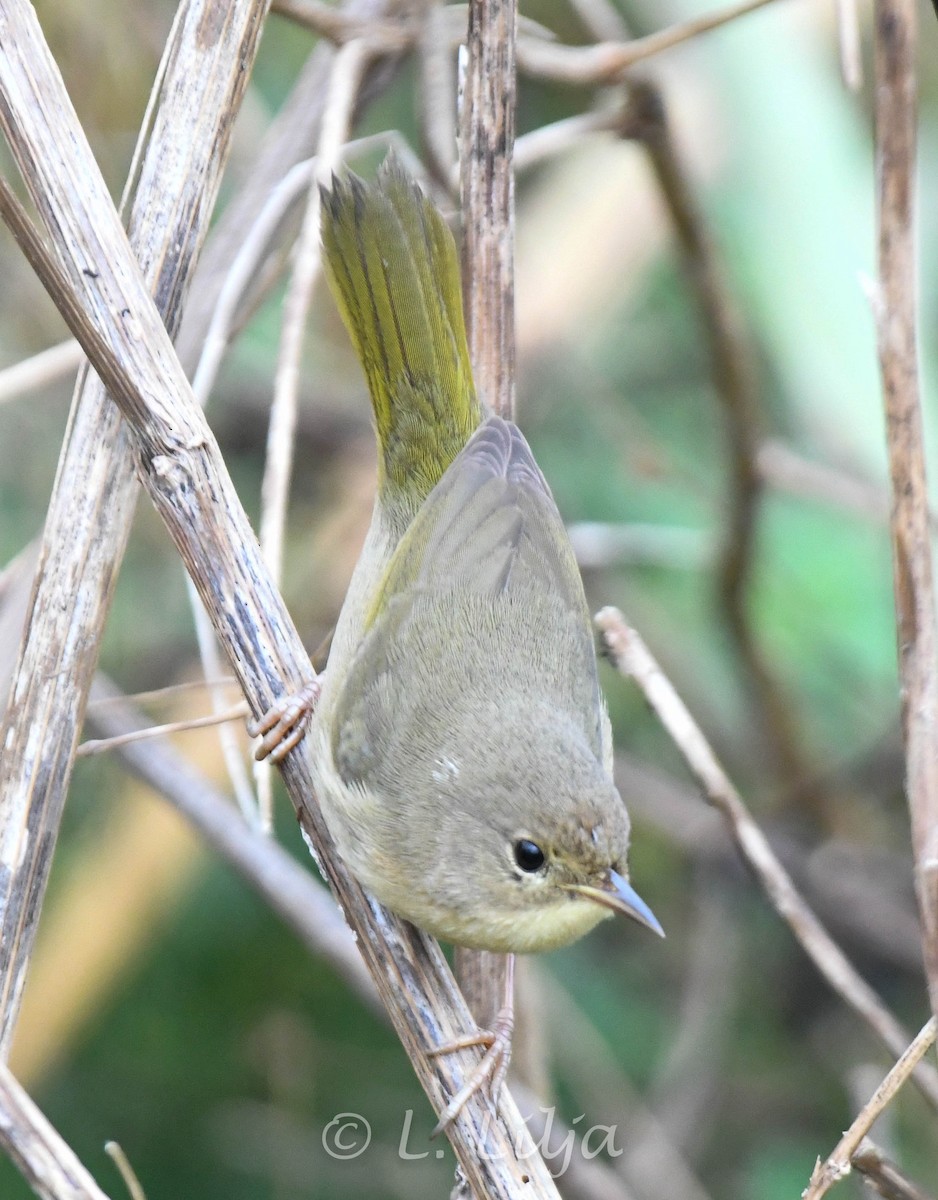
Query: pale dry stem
{"points": [[45, 1161], [837, 1164], [896, 319], [632, 658]]}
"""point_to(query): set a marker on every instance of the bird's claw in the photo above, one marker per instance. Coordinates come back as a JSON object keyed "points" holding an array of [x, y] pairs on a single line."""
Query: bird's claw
{"points": [[284, 724], [489, 1074]]}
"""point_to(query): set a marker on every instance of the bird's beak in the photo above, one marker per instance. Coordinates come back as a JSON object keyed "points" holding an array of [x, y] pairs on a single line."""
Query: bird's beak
{"points": [[619, 895]]}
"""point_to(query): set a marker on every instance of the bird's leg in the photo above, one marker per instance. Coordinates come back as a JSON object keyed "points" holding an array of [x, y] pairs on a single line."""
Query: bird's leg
{"points": [[491, 1071], [284, 723]]}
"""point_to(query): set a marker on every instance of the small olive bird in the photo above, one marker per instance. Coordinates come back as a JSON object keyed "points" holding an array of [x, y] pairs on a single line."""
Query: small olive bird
{"points": [[462, 750]]}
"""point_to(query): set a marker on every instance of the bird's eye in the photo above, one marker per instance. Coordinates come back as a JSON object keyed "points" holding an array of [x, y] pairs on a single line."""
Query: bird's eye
{"points": [[528, 855]]}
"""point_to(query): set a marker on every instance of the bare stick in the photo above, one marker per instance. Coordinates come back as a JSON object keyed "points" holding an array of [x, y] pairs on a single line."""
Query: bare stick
{"points": [[45, 367], [596, 65], [103, 745], [289, 889], [48, 1165], [653, 1161], [170, 692], [549, 140], [736, 385], [895, 116], [438, 91], [837, 1164], [784, 468], [486, 139], [201, 84], [486, 146], [244, 266], [609, 62], [346, 77], [341, 27], [182, 470], [884, 1176], [231, 747], [256, 243], [292, 137], [345, 80], [631, 656], [115, 1151], [848, 44]]}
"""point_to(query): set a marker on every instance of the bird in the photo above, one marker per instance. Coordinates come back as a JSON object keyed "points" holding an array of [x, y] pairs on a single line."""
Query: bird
{"points": [[461, 746]]}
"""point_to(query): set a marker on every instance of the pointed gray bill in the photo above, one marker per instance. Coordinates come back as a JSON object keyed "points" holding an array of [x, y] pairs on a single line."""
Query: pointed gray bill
{"points": [[619, 895]]}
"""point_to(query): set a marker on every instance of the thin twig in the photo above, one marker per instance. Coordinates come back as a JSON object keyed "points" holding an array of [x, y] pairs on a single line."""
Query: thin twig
{"points": [[49, 1166], [895, 117], [341, 27], [687, 1084], [609, 62], [736, 384], [590, 66], [848, 44], [438, 92], [345, 79], [486, 146], [785, 469], [292, 138], [134, 1187], [837, 1164], [347, 72], [210, 657], [597, 544], [289, 889], [239, 289], [487, 195], [884, 1176], [632, 658], [652, 1161], [104, 745], [41, 369], [242, 272], [603, 20], [170, 692], [548, 141]]}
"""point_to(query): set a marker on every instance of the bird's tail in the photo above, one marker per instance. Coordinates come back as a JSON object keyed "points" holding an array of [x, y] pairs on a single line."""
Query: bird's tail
{"points": [[393, 268]]}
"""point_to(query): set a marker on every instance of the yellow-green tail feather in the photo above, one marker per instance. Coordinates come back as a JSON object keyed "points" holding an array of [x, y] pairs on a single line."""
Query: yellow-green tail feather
{"points": [[392, 264]]}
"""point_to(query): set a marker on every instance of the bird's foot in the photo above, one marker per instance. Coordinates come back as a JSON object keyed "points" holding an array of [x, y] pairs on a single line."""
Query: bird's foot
{"points": [[490, 1073], [284, 723]]}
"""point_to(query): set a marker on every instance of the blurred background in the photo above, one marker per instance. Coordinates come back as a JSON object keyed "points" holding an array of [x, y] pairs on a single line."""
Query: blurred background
{"points": [[167, 1007]]}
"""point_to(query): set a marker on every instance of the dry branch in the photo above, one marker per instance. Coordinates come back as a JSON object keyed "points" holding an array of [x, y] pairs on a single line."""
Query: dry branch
{"points": [[486, 148], [39, 369], [883, 1176], [292, 138], [735, 380], [290, 890], [486, 138], [47, 1164], [180, 465], [200, 86], [837, 1164], [896, 117], [632, 658], [610, 62]]}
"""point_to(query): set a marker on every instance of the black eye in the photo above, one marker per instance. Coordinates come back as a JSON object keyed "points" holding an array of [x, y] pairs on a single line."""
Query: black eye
{"points": [[528, 855]]}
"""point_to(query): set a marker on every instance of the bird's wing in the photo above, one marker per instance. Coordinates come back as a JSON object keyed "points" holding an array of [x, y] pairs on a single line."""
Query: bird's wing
{"points": [[490, 526], [485, 573]]}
